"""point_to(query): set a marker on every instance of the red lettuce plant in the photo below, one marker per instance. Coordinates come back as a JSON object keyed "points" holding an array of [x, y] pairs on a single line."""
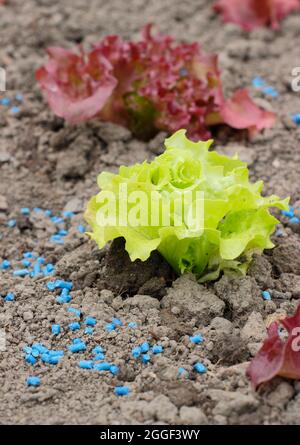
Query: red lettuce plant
{"points": [[251, 14], [150, 85], [278, 357]]}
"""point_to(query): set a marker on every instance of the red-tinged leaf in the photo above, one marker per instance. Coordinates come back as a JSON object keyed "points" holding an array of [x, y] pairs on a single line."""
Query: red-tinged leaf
{"points": [[77, 87], [278, 357], [241, 112], [150, 85], [250, 14]]}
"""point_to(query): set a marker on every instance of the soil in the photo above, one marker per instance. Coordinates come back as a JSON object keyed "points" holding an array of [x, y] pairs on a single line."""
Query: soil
{"points": [[48, 164]]}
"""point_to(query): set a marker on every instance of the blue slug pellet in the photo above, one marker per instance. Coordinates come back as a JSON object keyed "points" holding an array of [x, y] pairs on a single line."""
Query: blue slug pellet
{"points": [[86, 364], [77, 347], [90, 321], [266, 295], [145, 347], [200, 368], [74, 326], [146, 358], [196, 339], [122, 390], [102, 366], [9, 297], [55, 329], [33, 381], [157, 349]]}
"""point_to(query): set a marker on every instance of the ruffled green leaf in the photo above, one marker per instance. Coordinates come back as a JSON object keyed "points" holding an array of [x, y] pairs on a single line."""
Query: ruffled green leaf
{"points": [[197, 208]]}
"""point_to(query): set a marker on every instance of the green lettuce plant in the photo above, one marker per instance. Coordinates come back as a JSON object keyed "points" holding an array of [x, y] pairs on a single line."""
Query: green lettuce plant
{"points": [[233, 223]]}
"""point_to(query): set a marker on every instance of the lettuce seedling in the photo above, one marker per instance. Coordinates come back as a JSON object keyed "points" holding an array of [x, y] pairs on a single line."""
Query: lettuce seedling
{"points": [[278, 356], [197, 208], [251, 14], [150, 85]]}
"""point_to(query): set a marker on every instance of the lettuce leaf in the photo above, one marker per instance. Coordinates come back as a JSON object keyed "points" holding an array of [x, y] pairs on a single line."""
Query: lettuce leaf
{"points": [[148, 85], [235, 218], [251, 14]]}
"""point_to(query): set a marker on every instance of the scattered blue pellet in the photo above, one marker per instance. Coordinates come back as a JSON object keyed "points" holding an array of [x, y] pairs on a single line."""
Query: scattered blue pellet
{"points": [[21, 272], [57, 219], [136, 352], [65, 296], [35, 353], [25, 211], [62, 232], [110, 327], [258, 82], [11, 223], [19, 97], [114, 369], [50, 359], [9, 297], [98, 357], [117, 322], [33, 381], [88, 331], [40, 260], [48, 213], [270, 91], [48, 269], [28, 255], [61, 299], [26, 263], [39, 347], [30, 359], [81, 228], [145, 358], [5, 101], [75, 311], [266, 295], [86, 364], [90, 321], [132, 325], [97, 350], [5, 265], [77, 347], [27, 349], [145, 347], [36, 270], [68, 214], [55, 329], [56, 239], [196, 339], [296, 118], [157, 349], [56, 353], [104, 366], [122, 390], [59, 284], [15, 110], [200, 368], [77, 340], [294, 220], [181, 371], [74, 326]]}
